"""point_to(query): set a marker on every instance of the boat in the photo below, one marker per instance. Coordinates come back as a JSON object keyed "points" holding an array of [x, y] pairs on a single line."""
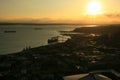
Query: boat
{"points": [[37, 28], [58, 39], [9, 31], [53, 40]]}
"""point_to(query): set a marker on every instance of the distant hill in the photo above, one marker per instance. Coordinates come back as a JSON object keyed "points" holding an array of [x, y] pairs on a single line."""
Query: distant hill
{"points": [[12, 23], [99, 30]]}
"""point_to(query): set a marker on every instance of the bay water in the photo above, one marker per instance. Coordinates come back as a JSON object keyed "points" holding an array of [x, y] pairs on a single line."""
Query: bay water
{"points": [[28, 35]]}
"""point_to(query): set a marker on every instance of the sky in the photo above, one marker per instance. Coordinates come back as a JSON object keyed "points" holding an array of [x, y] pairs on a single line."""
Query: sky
{"points": [[58, 11]]}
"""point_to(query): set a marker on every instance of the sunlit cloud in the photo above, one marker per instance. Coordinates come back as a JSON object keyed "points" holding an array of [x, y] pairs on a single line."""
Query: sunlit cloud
{"points": [[113, 15]]}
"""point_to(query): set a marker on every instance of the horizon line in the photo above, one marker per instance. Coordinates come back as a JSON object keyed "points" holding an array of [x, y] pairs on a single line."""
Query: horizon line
{"points": [[33, 23]]}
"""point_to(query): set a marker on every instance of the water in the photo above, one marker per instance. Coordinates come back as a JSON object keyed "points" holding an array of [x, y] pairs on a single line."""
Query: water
{"points": [[26, 36]]}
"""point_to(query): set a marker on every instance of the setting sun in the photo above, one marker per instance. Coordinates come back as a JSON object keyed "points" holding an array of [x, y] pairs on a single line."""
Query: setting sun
{"points": [[60, 11], [94, 8]]}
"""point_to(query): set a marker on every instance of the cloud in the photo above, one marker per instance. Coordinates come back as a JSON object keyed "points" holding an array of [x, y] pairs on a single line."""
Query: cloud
{"points": [[113, 15]]}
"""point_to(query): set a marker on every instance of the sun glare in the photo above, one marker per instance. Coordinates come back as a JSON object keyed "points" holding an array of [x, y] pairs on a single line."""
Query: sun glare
{"points": [[94, 8]]}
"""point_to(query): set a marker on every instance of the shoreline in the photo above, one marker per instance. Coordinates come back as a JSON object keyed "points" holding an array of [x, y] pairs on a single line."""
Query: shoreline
{"points": [[80, 54]]}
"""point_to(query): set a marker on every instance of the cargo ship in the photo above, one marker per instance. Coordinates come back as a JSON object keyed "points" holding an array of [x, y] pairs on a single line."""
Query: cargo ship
{"points": [[9, 31]]}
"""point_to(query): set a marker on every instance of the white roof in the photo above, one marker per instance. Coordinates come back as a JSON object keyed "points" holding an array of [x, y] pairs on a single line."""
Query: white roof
{"points": [[75, 77], [87, 77]]}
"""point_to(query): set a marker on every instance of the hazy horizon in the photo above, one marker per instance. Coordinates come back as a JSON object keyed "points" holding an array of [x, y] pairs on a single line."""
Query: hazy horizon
{"points": [[60, 11]]}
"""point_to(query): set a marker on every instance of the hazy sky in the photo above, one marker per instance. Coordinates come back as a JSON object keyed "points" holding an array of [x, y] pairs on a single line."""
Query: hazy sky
{"points": [[57, 10]]}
